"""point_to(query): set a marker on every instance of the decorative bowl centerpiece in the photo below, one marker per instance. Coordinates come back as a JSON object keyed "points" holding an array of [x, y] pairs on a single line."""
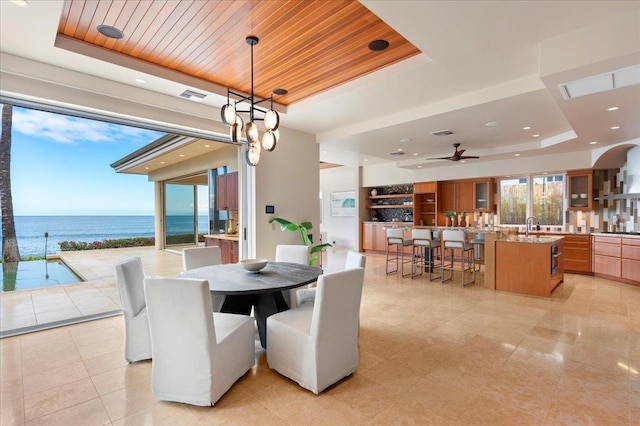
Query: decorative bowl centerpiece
{"points": [[253, 265]]}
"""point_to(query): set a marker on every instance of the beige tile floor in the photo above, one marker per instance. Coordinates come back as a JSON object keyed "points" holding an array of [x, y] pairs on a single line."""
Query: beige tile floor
{"points": [[429, 354]]}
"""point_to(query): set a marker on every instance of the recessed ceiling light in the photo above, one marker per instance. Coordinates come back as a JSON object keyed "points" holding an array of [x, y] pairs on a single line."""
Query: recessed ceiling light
{"points": [[491, 123], [181, 155], [516, 155], [593, 143], [508, 176], [162, 162], [526, 128], [535, 136], [399, 149], [207, 146], [21, 3], [545, 173], [613, 108], [110, 32], [141, 80], [366, 159], [146, 168], [405, 140], [378, 45], [614, 127], [462, 161], [415, 153], [280, 91]]}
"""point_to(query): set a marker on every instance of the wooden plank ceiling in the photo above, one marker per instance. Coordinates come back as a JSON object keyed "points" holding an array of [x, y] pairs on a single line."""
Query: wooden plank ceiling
{"points": [[305, 47]]}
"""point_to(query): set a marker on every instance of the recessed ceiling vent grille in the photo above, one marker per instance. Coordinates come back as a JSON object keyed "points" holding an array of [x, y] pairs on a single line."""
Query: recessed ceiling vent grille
{"points": [[396, 153], [601, 83], [444, 132], [190, 94]]}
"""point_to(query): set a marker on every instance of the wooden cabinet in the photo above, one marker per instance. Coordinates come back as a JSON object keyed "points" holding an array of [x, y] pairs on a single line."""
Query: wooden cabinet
{"points": [[456, 196], [425, 204], [607, 253], [577, 254], [483, 195], [630, 262], [580, 190], [374, 236], [523, 267], [228, 248], [227, 191]]}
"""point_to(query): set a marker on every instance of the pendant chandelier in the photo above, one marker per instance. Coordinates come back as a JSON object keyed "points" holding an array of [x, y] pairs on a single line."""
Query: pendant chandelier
{"points": [[270, 118]]}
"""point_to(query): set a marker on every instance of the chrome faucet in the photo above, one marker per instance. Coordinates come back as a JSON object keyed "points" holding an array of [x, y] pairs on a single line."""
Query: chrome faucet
{"points": [[526, 229]]}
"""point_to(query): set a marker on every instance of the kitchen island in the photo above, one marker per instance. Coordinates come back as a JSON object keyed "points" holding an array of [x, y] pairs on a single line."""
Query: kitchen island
{"points": [[228, 244], [529, 264]]}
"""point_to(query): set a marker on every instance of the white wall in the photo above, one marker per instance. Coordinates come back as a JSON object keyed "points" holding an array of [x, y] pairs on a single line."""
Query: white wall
{"points": [[341, 231], [287, 178]]}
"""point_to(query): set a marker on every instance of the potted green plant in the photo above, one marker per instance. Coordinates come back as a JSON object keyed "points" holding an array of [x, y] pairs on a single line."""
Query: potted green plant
{"points": [[304, 229], [450, 215], [463, 219]]}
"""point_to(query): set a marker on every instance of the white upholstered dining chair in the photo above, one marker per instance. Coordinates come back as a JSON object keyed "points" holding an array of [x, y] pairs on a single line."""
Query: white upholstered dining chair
{"points": [[197, 257], [316, 344], [292, 254], [197, 354], [354, 260], [130, 281]]}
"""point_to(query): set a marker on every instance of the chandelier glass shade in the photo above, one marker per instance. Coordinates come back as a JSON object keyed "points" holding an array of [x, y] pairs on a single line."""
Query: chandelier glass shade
{"points": [[230, 115]]}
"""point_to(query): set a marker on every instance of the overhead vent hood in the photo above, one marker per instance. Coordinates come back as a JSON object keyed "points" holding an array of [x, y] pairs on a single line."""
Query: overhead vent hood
{"points": [[632, 183], [601, 83]]}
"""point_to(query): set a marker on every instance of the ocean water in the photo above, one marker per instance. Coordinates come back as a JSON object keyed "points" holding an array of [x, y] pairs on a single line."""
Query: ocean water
{"points": [[30, 230]]}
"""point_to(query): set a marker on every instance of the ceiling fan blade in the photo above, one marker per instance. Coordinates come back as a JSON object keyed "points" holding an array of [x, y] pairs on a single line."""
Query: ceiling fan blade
{"points": [[439, 158], [467, 156]]}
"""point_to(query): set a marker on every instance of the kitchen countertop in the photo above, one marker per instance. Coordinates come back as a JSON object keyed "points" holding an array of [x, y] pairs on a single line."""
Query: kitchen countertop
{"points": [[230, 237], [534, 239]]}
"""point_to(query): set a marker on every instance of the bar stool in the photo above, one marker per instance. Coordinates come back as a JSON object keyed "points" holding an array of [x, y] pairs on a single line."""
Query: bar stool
{"points": [[395, 237], [478, 248], [453, 240], [425, 247]]}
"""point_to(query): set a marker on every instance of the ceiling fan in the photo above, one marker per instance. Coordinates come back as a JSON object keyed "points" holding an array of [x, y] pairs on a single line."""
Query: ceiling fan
{"points": [[457, 156]]}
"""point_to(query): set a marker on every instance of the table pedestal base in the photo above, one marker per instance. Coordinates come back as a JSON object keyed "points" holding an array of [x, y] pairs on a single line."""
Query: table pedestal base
{"points": [[263, 304]]}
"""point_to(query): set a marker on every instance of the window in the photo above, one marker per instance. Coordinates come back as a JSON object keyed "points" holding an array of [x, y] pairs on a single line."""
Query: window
{"points": [[513, 201], [538, 196], [548, 195]]}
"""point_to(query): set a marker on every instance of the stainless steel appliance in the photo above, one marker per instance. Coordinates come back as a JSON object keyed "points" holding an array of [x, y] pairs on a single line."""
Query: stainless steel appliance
{"points": [[555, 258]]}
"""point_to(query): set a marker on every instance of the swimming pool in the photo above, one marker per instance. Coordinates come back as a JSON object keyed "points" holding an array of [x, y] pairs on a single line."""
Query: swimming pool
{"points": [[36, 274]]}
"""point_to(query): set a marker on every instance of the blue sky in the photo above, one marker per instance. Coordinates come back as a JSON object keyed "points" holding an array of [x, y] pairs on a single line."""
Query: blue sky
{"points": [[60, 165]]}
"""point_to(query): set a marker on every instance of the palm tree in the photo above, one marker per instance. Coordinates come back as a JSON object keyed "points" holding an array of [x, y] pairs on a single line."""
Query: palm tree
{"points": [[10, 252]]}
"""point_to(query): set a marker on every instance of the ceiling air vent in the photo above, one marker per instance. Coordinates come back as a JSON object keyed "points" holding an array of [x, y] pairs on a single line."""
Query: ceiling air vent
{"points": [[396, 153], [601, 83], [190, 94], [444, 132]]}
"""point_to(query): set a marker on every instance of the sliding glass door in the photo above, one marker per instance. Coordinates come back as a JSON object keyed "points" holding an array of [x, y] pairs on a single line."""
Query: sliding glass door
{"points": [[180, 214]]}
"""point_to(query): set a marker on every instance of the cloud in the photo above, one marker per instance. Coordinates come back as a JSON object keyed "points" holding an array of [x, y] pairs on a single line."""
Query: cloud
{"points": [[71, 130]]}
